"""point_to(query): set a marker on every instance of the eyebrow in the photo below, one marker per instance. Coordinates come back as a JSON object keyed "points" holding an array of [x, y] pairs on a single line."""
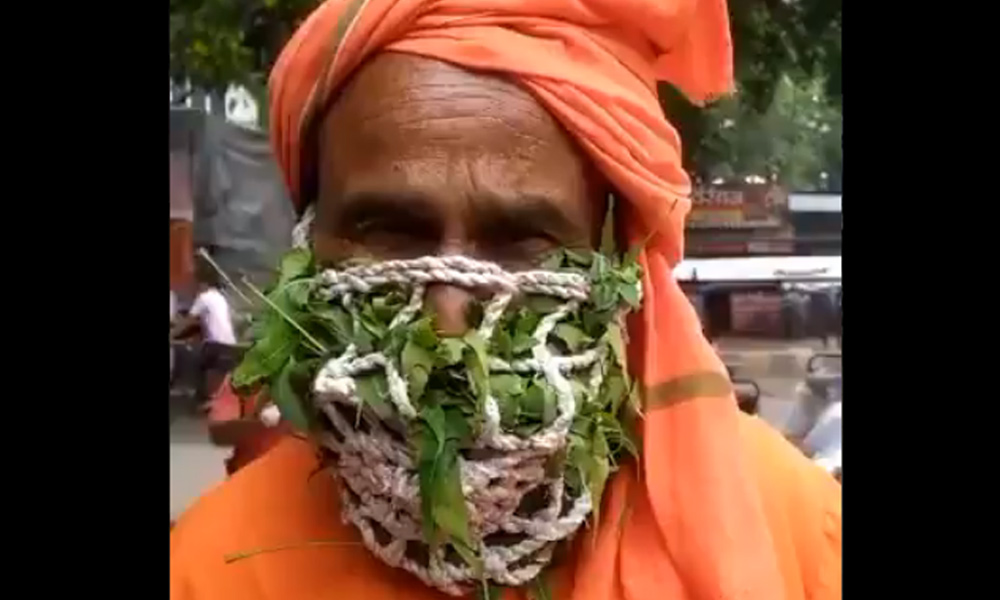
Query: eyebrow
{"points": [[496, 216], [525, 215], [411, 210]]}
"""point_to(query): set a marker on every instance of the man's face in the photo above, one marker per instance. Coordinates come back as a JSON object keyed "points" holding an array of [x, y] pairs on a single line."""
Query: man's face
{"points": [[418, 157]]}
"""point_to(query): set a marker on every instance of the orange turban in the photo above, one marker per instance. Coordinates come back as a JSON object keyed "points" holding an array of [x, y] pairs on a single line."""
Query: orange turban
{"points": [[689, 523]]}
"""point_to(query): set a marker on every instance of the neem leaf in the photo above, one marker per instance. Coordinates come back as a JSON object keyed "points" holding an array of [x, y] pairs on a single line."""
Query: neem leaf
{"points": [[422, 333], [539, 589], [598, 469], [542, 304], [468, 555], [502, 344], [417, 364], [362, 337], [372, 323], [526, 431], [336, 320], [267, 356], [599, 267], [616, 340], [374, 392], [630, 293], [448, 508], [294, 264], [539, 402], [475, 362], [509, 411], [506, 385], [526, 323], [604, 295], [491, 592], [429, 445], [533, 402], [581, 259], [456, 426], [573, 337], [553, 261], [614, 391], [522, 342], [298, 293], [450, 351], [288, 402]]}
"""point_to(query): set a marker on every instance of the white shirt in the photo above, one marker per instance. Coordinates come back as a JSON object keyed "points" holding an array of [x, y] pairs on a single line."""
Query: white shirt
{"points": [[212, 310], [818, 420]]}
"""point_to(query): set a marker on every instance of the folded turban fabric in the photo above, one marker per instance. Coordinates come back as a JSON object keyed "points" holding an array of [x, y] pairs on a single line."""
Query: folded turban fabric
{"points": [[687, 523]]}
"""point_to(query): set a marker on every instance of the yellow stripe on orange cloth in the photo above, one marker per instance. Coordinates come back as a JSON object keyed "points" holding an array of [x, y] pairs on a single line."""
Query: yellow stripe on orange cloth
{"points": [[688, 387]]}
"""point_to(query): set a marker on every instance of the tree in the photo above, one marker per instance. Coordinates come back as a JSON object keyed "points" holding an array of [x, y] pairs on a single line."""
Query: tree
{"points": [[796, 141], [773, 40], [215, 43]]}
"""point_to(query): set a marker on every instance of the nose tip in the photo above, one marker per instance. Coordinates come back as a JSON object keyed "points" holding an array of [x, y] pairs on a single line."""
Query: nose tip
{"points": [[450, 306]]}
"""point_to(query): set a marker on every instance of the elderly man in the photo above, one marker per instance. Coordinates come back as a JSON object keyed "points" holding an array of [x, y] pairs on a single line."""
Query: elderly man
{"points": [[496, 130]]}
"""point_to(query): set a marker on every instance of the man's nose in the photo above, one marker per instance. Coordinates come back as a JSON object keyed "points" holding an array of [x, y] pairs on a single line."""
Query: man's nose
{"points": [[450, 305]]}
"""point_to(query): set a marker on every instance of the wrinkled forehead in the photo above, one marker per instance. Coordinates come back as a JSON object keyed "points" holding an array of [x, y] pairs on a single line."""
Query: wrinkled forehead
{"points": [[417, 122]]}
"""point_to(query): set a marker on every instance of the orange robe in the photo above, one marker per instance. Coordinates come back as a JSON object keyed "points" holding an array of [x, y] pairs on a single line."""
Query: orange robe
{"points": [[274, 503]]}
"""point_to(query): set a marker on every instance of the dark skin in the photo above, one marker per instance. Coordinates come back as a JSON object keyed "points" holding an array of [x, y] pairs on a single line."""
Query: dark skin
{"points": [[419, 157]]}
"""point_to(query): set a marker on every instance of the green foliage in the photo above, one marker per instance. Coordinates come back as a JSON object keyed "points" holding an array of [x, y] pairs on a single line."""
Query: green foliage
{"points": [[793, 142], [218, 42], [776, 42], [449, 378]]}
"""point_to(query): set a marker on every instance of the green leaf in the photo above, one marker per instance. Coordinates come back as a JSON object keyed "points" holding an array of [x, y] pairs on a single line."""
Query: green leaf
{"points": [[450, 351], [421, 333], [523, 342], [292, 408], [298, 293], [502, 344], [553, 261], [417, 364], [526, 431], [506, 385], [371, 322], [475, 362], [574, 338], [533, 403], [490, 592], [468, 555], [456, 427], [336, 319], [374, 393], [267, 356], [294, 264], [630, 293], [614, 391], [616, 340], [542, 304], [448, 509], [509, 411], [527, 322], [539, 589], [362, 336], [581, 259], [604, 295], [599, 267], [539, 402]]}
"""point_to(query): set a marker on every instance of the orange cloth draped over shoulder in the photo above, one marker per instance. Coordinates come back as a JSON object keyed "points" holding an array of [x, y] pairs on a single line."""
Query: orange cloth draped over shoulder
{"points": [[721, 507]]}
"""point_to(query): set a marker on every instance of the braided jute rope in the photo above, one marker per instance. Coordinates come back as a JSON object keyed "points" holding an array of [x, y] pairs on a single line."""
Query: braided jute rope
{"points": [[381, 492]]}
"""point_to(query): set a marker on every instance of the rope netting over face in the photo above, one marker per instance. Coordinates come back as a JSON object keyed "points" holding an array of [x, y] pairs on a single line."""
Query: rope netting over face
{"points": [[514, 483]]}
